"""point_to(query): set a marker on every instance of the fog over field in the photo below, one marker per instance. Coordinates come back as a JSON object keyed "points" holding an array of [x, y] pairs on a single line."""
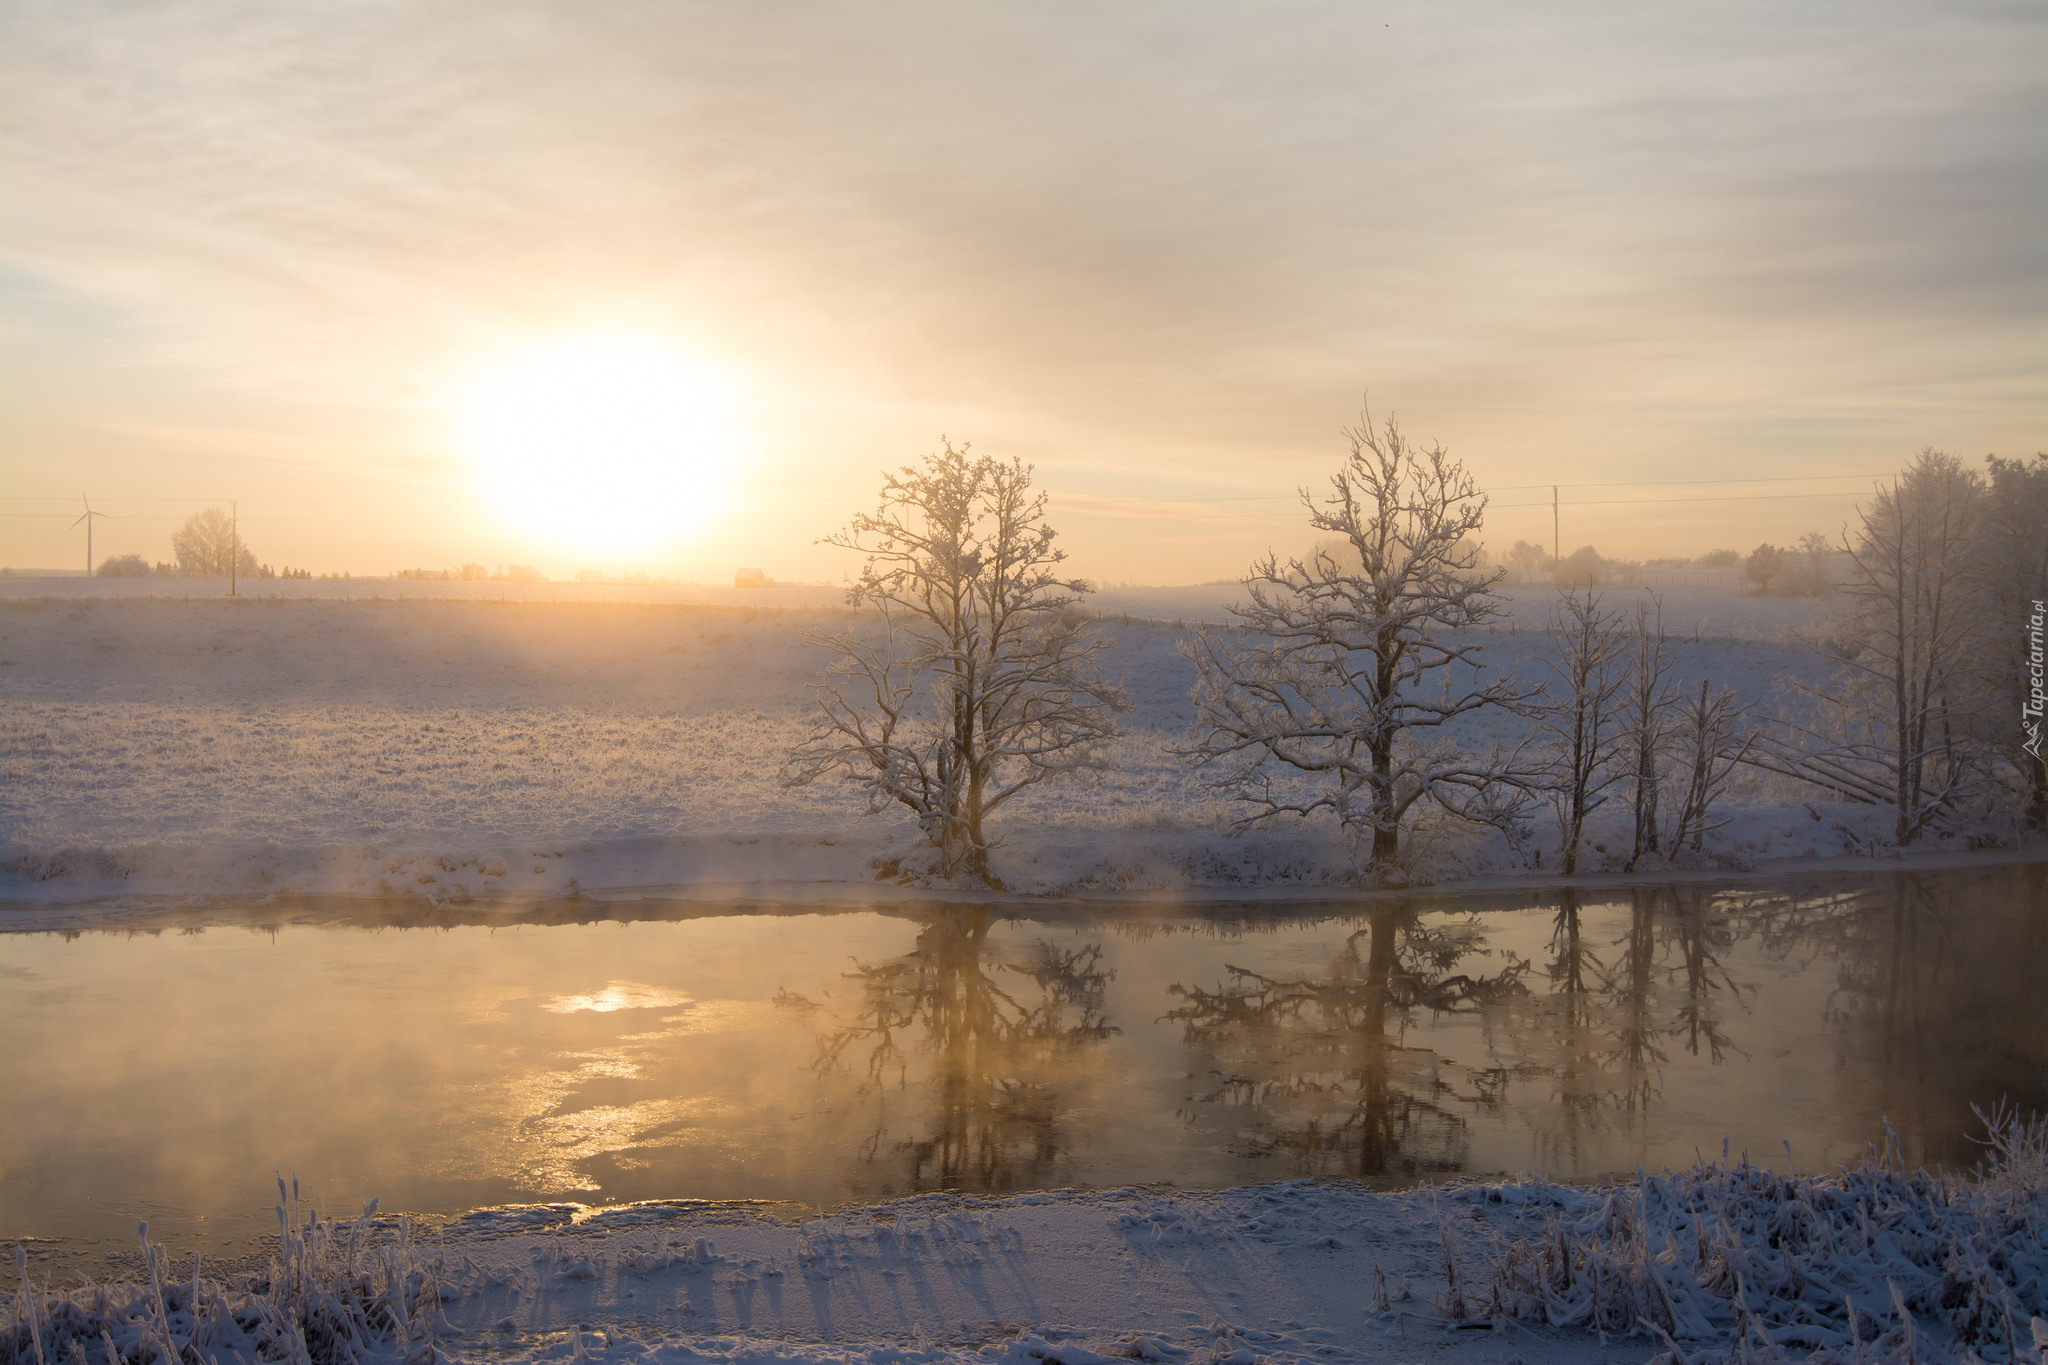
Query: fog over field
{"points": [[453, 745]]}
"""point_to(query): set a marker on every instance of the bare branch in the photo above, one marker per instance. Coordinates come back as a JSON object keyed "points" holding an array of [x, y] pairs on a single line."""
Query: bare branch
{"points": [[1345, 661], [973, 676]]}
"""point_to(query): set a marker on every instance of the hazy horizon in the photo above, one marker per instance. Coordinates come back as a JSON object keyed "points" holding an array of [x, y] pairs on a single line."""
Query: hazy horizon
{"points": [[1715, 270]]}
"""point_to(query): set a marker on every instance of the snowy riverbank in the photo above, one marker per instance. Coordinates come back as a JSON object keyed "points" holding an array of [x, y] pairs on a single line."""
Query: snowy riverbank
{"points": [[459, 748], [1721, 1263]]}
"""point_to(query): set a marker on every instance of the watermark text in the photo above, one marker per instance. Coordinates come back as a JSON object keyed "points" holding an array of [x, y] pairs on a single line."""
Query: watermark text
{"points": [[2030, 709]]}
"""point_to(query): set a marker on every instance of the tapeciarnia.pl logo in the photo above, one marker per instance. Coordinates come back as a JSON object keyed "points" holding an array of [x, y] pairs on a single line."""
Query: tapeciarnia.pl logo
{"points": [[2030, 709]]}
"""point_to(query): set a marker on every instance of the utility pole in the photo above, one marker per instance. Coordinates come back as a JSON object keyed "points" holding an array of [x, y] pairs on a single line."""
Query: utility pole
{"points": [[234, 543], [1553, 531]]}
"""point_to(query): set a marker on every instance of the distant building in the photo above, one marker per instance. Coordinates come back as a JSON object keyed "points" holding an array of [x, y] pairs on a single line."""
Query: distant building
{"points": [[751, 578]]}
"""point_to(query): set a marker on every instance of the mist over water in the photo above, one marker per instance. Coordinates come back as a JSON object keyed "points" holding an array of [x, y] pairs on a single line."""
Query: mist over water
{"points": [[836, 1057]]}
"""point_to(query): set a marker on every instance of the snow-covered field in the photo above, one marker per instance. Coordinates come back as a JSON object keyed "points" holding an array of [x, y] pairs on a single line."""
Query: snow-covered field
{"points": [[397, 738]]}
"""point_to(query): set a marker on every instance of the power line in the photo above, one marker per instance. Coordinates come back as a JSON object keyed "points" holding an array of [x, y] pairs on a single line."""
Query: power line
{"points": [[272, 521], [1707, 497], [1658, 483]]}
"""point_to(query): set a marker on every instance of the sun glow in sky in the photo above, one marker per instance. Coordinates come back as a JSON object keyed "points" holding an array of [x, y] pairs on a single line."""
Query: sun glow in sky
{"points": [[612, 446], [1713, 267]]}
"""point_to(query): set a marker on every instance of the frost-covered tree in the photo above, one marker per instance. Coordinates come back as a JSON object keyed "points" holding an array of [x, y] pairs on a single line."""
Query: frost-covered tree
{"points": [[207, 546], [1765, 563], [1331, 693], [1578, 724], [1709, 737], [1647, 701], [1528, 561], [1896, 727], [1815, 549], [1584, 567], [973, 677]]}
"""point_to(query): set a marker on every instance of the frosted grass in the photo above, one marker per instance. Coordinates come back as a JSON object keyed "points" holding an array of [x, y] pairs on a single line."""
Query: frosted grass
{"points": [[1727, 1262], [332, 1293]]}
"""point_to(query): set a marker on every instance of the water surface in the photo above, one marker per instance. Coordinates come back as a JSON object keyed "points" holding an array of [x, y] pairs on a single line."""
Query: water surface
{"points": [[825, 1058]]}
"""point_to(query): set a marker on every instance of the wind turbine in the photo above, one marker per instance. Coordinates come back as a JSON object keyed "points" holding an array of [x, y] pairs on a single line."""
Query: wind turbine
{"points": [[87, 519]]}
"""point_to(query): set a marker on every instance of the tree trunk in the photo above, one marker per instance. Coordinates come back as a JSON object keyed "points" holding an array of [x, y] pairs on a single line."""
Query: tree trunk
{"points": [[1386, 825]]}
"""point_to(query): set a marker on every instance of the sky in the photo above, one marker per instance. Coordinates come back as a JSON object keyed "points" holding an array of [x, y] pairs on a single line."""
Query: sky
{"points": [[1712, 269]]}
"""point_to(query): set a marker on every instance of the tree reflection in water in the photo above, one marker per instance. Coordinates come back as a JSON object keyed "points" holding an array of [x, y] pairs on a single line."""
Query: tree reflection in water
{"points": [[1599, 1040], [1701, 937], [1574, 1037], [1321, 1058], [997, 1044], [1579, 1045], [1942, 998]]}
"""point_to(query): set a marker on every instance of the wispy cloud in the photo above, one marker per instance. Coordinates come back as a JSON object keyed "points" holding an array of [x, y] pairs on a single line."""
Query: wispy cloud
{"points": [[1140, 236]]}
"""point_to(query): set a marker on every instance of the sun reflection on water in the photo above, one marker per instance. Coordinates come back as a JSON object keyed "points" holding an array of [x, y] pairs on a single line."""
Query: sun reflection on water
{"points": [[618, 995]]}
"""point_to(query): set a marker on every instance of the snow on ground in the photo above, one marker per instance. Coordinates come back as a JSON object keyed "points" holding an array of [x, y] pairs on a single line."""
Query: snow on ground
{"points": [[398, 738], [1716, 1264]]}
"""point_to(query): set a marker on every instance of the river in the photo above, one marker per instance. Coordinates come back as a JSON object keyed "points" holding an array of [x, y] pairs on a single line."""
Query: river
{"points": [[639, 1050]]}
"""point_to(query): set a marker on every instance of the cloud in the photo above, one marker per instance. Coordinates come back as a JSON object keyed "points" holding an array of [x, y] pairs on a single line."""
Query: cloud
{"points": [[1142, 235]]}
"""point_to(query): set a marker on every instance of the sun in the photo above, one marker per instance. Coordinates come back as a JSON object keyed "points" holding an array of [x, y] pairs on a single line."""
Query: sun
{"points": [[610, 445]]}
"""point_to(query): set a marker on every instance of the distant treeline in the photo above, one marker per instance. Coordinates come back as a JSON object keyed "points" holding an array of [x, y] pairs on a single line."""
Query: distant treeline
{"points": [[135, 566], [526, 573], [208, 545], [1807, 569], [475, 573]]}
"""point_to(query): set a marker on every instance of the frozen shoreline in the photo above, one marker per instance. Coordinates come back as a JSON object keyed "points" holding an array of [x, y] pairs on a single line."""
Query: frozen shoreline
{"points": [[67, 906], [1714, 1264]]}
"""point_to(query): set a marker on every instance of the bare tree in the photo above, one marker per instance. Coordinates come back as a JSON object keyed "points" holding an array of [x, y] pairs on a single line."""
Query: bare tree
{"points": [[1894, 729], [1815, 547], [1584, 567], [1578, 721], [1765, 563], [974, 677], [1708, 738], [1647, 699], [1334, 693], [207, 546], [1528, 561]]}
